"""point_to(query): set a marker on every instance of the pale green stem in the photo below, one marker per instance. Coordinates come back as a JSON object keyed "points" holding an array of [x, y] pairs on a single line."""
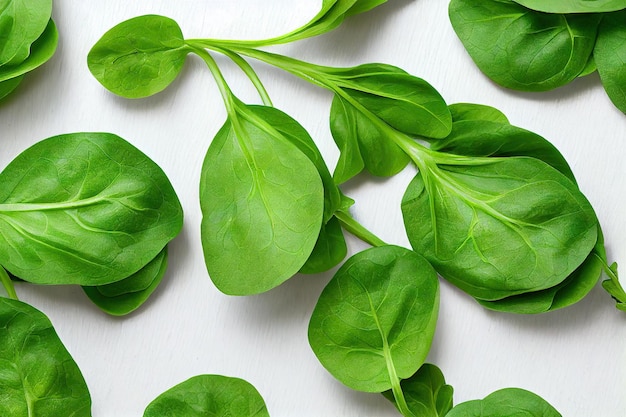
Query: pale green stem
{"points": [[357, 229]]}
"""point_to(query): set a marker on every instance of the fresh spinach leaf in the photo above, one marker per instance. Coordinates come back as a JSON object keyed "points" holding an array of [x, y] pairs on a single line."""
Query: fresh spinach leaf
{"points": [[469, 223], [573, 6], [522, 49], [508, 402], [209, 395], [125, 296], [84, 208], [38, 377], [21, 23], [262, 204], [426, 392], [7, 86], [471, 111], [610, 57], [330, 249], [375, 320], [139, 57]]}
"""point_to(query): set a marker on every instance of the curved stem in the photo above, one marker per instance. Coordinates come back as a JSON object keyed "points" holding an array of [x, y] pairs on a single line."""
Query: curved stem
{"points": [[7, 283], [227, 95], [357, 229]]}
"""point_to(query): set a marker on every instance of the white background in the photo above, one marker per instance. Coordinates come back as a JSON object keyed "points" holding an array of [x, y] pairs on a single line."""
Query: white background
{"points": [[575, 358]]}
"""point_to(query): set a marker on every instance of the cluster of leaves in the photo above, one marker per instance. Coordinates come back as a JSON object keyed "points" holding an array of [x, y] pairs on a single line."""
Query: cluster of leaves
{"points": [[87, 209], [29, 39], [536, 45]]}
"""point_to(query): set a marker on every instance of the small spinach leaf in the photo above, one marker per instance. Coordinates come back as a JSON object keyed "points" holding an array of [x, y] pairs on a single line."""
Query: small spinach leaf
{"points": [[508, 402], [471, 111], [610, 57], [139, 57], [38, 376], [209, 395], [330, 249], [375, 320]]}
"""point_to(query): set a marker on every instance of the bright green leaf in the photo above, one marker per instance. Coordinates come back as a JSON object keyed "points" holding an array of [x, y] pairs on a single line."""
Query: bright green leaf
{"points": [[610, 57], [573, 6], [508, 402]]}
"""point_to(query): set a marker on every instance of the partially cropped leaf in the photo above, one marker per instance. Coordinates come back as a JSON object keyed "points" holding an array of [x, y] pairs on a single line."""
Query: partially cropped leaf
{"points": [[21, 24], [84, 208], [610, 57], [7, 86], [362, 6], [125, 296], [573, 6], [522, 49], [139, 57], [262, 203], [508, 402], [209, 396], [330, 249], [38, 377], [375, 320], [469, 222]]}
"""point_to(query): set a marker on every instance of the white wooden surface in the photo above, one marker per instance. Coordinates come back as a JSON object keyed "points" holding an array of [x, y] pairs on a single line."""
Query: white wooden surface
{"points": [[575, 358]]}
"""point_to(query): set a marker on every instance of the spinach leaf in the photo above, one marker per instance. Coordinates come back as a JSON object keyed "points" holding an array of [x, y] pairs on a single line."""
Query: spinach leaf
{"points": [[209, 395], [139, 57], [471, 111], [125, 296], [469, 223], [573, 6], [42, 50], [262, 203], [84, 208], [21, 23], [426, 392], [38, 376], [7, 86], [375, 320], [522, 49], [330, 249], [610, 57], [508, 402]]}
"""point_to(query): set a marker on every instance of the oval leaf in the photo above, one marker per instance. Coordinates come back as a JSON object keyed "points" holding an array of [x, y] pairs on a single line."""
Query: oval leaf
{"points": [[508, 402], [375, 320], [38, 377], [610, 56]]}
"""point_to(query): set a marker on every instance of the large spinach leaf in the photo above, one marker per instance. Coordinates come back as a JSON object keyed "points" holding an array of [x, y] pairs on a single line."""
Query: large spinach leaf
{"points": [[508, 402], [573, 6], [21, 23], [610, 57]]}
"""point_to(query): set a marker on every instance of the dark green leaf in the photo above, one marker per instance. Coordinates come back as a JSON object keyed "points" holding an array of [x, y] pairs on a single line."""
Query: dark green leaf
{"points": [[574, 6], [507, 227], [21, 23], [125, 296], [7, 86], [375, 320], [209, 396], [262, 204], [610, 57], [38, 377], [139, 57], [522, 49], [84, 208], [508, 402]]}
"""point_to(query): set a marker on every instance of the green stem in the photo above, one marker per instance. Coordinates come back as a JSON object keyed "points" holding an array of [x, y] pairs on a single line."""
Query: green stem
{"points": [[222, 85], [357, 229], [7, 283]]}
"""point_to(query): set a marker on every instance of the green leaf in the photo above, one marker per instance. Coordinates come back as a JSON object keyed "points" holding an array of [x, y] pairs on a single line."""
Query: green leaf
{"points": [[573, 6], [405, 102], [42, 50], [7, 86], [508, 402], [506, 227], [362, 145], [362, 6], [610, 57], [522, 49], [330, 249], [477, 112], [209, 396], [125, 296], [84, 208], [21, 23], [262, 204], [426, 392], [139, 57], [486, 138], [38, 377], [375, 320]]}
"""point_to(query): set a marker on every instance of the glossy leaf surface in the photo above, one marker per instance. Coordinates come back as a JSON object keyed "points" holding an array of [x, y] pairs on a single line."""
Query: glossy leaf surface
{"points": [[139, 57], [209, 396], [470, 111], [573, 6], [84, 208], [262, 203], [38, 377], [469, 223], [375, 320], [508, 402], [125, 296], [522, 49], [21, 23], [610, 57]]}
